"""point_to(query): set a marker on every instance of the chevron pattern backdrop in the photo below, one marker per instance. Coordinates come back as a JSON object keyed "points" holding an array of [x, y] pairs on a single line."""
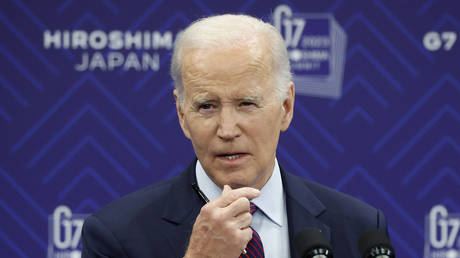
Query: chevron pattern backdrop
{"points": [[85, 138]]}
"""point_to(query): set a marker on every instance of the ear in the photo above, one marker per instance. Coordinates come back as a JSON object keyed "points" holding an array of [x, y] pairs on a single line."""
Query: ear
{"points": [[288, 108], [181, 116]]}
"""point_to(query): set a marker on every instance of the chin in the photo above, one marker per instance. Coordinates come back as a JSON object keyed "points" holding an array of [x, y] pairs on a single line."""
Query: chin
{"points": [[234, 183], [237, 185]]}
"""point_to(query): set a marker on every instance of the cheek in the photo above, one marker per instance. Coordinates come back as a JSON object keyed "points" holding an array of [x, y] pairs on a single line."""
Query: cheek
{"points": [[200, 132], [266, 131], [268, 124], [264, 134]]}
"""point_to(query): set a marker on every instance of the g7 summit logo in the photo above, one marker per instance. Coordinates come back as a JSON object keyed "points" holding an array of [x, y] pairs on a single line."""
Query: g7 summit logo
{"points": [[65, 233], [442, 231], [316, 47]]}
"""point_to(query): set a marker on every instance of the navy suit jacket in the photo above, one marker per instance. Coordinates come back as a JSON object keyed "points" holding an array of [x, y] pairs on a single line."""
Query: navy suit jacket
{"points": [[157, 221]]}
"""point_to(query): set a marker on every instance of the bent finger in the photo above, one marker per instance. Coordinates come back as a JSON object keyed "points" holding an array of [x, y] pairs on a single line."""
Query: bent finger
{"points": [[241, 205], [243, 220], [229, 196]]}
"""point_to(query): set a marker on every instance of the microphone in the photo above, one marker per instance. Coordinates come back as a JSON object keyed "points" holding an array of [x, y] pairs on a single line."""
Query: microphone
{"points": [[374, 243], [311, 243]]}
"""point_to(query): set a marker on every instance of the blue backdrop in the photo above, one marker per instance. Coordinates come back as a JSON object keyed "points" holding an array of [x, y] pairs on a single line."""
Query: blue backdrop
{"points": [[83, 135]]}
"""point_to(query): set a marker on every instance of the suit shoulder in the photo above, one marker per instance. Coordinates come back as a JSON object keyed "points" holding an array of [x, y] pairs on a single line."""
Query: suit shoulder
{"points": [[342, 204], [127, 208], [132, 225]]}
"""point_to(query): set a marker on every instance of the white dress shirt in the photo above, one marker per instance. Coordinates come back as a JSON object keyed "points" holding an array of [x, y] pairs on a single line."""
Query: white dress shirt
{"points": [[270, 220]]}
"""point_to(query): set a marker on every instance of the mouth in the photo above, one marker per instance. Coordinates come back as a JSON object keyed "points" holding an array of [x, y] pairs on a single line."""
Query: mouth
{"points": [[231, 156]]}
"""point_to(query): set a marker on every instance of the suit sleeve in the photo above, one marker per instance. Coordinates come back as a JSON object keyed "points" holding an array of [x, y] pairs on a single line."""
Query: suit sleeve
{"points": [[98, 241], [382, 222]]}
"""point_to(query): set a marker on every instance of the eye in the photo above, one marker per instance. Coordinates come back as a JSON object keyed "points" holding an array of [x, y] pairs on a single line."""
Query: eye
{"points": [[205, 106], [246, 104]]}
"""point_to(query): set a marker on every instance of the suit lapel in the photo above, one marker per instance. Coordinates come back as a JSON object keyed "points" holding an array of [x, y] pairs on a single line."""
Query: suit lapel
{"points": [[181, 209], [183, 206], [302, 207]]}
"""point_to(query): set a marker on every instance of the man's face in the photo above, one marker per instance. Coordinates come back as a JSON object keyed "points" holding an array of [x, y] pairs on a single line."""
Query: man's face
{"points": [[232, 114]]}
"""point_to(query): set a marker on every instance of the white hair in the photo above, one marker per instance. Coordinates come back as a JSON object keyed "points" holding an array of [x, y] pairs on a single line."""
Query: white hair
{"points": [[226, 31]]}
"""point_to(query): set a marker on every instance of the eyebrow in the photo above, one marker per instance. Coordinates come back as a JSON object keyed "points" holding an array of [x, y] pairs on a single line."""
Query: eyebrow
{"points": [[251, 98], [203, 100], [200, 101]]}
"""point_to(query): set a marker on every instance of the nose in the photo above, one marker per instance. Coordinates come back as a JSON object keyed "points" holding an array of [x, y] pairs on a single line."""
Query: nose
{"points": [[228, 128]]}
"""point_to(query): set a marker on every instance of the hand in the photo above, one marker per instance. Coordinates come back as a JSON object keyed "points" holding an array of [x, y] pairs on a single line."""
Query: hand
{"points": [[222, 227]]}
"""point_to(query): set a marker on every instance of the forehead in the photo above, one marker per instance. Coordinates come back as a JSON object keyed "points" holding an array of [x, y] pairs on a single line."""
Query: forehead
{"points": [[224, 68]]}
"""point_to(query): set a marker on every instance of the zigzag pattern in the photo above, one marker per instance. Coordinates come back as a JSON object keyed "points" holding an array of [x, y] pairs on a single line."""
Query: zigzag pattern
{"points": [[391, 139]]}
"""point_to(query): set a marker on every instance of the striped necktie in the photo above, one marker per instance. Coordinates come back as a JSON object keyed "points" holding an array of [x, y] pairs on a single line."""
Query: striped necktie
{"points": [[254, 249]]}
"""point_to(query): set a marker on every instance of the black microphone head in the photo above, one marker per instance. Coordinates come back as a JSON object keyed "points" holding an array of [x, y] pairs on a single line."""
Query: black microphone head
{"points": [[374, 242], [310, 242]]}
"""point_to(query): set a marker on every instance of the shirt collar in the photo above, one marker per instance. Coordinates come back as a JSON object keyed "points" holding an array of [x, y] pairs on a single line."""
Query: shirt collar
{"points": [[270, 201]]}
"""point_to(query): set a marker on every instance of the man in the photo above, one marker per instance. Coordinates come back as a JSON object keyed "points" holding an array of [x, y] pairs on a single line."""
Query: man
{"points": [[234, 96]]}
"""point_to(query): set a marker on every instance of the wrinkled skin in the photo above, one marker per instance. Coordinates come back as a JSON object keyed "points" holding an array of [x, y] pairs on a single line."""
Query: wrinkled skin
{"points": [[233, 117]]}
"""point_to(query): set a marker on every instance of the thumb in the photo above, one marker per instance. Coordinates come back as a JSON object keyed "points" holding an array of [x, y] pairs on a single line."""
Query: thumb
{"points": [[226, 188]]}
